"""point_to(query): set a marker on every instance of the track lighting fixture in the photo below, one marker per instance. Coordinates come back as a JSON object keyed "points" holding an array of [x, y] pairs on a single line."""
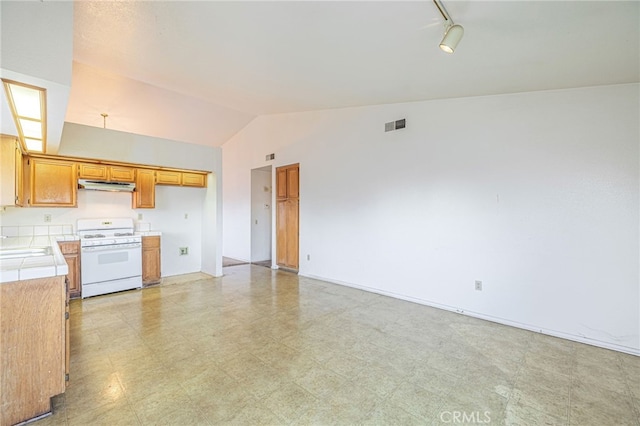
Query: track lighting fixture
{"points": [[452, 32]]}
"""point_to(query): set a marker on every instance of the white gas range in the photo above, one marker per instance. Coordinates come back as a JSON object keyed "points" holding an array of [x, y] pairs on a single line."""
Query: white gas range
{"points": [[111, 256]]}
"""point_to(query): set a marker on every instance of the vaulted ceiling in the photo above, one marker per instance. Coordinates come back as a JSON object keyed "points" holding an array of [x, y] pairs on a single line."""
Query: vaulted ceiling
{"points": [[200, 71]]}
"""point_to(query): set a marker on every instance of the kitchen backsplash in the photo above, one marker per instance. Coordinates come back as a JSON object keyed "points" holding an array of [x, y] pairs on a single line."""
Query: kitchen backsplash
{"points": [[143, 226], [38, 230], [35, 230]]}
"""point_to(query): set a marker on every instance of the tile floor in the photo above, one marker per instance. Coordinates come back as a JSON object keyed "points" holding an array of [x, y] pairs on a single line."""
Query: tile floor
{"points": [[265, 347]]}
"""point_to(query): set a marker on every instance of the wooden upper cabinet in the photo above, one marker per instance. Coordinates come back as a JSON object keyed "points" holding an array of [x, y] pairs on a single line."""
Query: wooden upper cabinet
{"points": [[167, 177], [144, 196], [42, 180], [293, 181], [11, 186], [281, 183], [172, 177], [19, 176], [92, 171], [122, 174], [194, 179], [108, 173], [53, 183], [287, 181]]}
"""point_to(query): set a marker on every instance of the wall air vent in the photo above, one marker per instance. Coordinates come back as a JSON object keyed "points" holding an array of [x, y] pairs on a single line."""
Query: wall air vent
{"points": [[395, 125]]}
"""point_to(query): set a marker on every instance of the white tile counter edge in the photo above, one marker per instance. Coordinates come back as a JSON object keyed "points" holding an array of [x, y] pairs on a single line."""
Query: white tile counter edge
{"points": [[149, 233], [34, 267]]}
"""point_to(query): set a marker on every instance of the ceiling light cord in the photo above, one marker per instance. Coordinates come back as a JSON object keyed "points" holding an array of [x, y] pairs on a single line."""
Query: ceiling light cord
{"points": [[452, 32]]}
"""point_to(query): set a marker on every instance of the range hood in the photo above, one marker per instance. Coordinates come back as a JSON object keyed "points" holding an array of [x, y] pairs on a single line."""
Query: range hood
{"points": [[100, 185]]}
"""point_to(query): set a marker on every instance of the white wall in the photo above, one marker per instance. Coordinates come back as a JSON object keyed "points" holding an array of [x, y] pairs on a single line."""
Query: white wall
{"points": [[37, 39], [37, 49], [535, 194]]}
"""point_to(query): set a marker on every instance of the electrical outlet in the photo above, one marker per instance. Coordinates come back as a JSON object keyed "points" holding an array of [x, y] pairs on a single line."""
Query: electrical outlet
{"points": [[184, 251], [308, 257], [478, 285], [139, 216], [47, 218], [186, 215]]}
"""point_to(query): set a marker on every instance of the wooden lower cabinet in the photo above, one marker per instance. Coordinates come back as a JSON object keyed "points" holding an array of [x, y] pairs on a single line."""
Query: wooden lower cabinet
{"points": [[32, 347], [151, 273], [71, 252]]}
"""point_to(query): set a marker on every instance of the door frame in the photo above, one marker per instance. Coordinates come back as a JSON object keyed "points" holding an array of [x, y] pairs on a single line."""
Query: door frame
{"points": [[262, 231]]}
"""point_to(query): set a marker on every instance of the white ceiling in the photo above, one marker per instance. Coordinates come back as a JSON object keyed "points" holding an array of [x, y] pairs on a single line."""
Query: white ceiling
{"points": [[237, 60]]}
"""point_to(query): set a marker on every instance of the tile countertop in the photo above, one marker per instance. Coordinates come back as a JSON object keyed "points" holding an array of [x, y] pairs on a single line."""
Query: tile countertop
{"points": [[27, 268]]}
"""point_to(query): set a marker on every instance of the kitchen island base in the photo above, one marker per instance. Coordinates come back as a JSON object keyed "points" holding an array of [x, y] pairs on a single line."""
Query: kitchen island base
{"points": [[32, 347]]}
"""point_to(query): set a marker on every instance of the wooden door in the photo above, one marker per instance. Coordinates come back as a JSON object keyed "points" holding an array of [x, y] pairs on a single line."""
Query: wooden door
{"points": [[287, 216]]}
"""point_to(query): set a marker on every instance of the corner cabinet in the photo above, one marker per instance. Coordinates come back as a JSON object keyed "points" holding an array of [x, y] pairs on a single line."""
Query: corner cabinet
{"points": [[144, 196], [151, 260], [52, 183], [71, 252]]}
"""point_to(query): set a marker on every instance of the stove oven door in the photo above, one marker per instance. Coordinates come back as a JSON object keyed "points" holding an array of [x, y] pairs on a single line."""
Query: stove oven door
{"points": [[110, 264]]}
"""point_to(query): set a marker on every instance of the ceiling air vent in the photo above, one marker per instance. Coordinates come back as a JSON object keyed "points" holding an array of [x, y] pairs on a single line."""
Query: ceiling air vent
{"points": [[395, 125]]}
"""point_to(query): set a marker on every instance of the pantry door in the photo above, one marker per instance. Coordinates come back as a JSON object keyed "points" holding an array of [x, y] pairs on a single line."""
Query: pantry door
{"points": [[287, 215]]}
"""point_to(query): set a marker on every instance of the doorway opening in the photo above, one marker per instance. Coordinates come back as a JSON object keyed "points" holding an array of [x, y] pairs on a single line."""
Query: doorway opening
{"points": [[261, 216]]}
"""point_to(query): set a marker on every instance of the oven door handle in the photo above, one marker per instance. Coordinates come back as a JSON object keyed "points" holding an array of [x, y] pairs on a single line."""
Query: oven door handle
{"points": [[115, 247]]}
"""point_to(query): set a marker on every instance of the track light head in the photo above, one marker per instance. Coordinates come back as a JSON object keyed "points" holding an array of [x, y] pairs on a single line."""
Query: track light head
{"points": [[452, 36], [452, 32]]}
